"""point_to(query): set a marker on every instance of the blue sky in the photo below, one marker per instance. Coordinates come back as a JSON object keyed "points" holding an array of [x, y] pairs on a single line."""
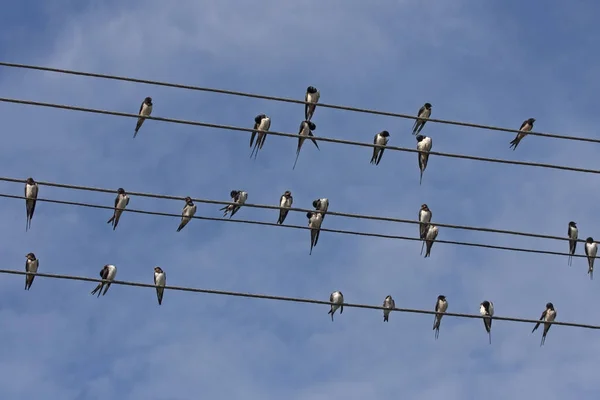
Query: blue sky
{"points": [[476, 61]]}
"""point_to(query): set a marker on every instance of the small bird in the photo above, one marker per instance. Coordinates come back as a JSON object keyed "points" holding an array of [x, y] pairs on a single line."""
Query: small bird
{"points": [[238, 197], [441, 306], [312, 96], [573, 233], [262, 123], [306, 130], [315, 219], [108, 273], [548, 315], [121, 202], [424, 220], [381, 140], [31, 193], [31, 265], [337, 298], [189, 210], [486, 309], [285, 201], [526, 127], [423, 114], [388, 304], [591, 249], [321, 205], [145, 111], [424, 146], [432, 232], [160, 280]]}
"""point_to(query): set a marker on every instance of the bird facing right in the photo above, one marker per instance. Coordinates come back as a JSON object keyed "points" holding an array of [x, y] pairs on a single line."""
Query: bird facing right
{"points": [[573, 233], [441, 305], [121, 201], [591, 249], [31, 265], [311, 98], [525, 128], [315, 219], [145, 111], [31, 193], [380, 141], [285, 202], [548, 315], [189, 210], [423, 114]]}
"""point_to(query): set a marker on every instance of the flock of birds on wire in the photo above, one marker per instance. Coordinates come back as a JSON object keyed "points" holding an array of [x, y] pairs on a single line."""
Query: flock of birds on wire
{"points": [[262, 123]]}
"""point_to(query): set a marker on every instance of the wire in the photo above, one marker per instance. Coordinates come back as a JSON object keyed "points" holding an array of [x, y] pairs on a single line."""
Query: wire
{"points": [[288, 299], [323, 139], [304, 210], [288, 100], [340, 231]]}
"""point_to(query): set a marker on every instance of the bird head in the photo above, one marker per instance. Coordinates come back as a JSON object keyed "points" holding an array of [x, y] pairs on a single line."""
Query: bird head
{"points": [[148, 100], [316, 203], [311, 89], [158, 270], [30, 256], [312, 126], [424, 207], [549, 306], [589, 240], [233, 193], [385, 133], [121, 191], [441, 297], [428, 106], [420, 138], [188, 200], [30, 181], [259, 118]]}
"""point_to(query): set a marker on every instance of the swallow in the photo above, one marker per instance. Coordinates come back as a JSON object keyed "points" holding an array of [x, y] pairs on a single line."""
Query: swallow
{"points": [[121, 202], [441, 306], [306, 131], [424, 146], [381, 140], [145, 111], [573, 234], [388, 304], [189, 210], [31, 193], [262, 123], [423, 114], [591, 249], [315, 219], [311, 98], [31, 265], [285, 202], [108, 273], [486, 309], [526, 127], [238, 197], [160, 280], [549, 315], [424, 220], [337, 298], [432, 232], [321, 205]]}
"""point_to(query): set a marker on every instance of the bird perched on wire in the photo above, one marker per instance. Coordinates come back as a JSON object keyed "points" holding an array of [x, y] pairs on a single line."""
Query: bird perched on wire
{"points": [[31, 265], [312, 98], [424, 220], [486, 309], [424, 144], [430, 236], [315, 219], [591, 249], [337, 298], [121, 202], [31, 193], [441, 305], [189, 210], [573, 234], [108, 274], [321, 205], [285, 202], [381, 140], [238, 197], [160, 280], [388, 305], [549, 315], [525, 128], [423, 114], [145, 111], [306, 132], [262, 123]]}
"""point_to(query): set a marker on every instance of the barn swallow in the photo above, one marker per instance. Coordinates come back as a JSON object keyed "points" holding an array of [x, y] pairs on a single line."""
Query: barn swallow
{"points": [[160, 280], [441, 306], [388, 304], [312, 97], [424, 146], [262, 123], [121, 202], [591, 249], [432, 232], [381, 140], [424, 220], [285, 201], [189, 210], [31, 265], [321, 205], [108, 273], [31, 193], [548, 315], [526, 127], [337, 298], [306, 128], [423, 114], [238, 197], [486, 309], [145, 111], [314, 223], [573, 234]]}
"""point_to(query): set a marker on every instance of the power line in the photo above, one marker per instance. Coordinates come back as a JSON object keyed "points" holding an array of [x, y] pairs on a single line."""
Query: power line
{"points": [[293, 135], [340, 231], [288, 299], [288, 100], [304, 210]]}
